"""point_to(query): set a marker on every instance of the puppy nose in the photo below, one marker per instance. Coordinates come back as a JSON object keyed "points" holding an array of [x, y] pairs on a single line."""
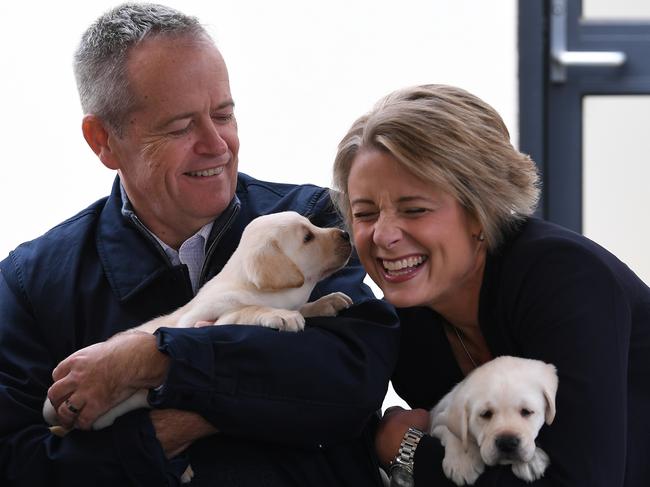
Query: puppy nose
{"points": [[345, 236], [507, 443]]}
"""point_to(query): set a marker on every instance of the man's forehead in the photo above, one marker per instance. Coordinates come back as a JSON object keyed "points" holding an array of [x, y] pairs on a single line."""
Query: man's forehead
{"points": [[162, 57], [176, 80]]}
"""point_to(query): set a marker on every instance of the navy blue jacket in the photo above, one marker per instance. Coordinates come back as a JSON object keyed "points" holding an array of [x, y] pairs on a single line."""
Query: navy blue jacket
{"points": [[553, 295], [292, 408]]}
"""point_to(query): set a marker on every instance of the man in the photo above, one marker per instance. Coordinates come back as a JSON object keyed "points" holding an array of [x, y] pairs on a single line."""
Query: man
{"points": [[244, 405]]}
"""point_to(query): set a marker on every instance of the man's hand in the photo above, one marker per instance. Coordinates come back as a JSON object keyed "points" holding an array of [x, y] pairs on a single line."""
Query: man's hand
{"points": [[94, 379], [391, 430], [176, 430]]}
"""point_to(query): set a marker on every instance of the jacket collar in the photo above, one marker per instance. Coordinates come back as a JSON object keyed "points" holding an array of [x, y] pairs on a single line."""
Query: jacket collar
{"points": [[132, 258]]}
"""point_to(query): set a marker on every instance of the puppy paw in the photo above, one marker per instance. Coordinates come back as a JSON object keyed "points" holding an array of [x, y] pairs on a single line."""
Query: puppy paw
{"points": [[283, 320], [460, 465], [462, 470], [534, 468], [328, 305], [49, 413], [106, 420]]}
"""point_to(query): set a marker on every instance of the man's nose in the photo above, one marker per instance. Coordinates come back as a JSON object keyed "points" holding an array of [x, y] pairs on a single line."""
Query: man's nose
{"points": [[210, 140]]}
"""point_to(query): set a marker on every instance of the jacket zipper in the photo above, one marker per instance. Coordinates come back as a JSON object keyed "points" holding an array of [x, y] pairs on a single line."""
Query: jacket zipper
{"points": [[225, 227]]}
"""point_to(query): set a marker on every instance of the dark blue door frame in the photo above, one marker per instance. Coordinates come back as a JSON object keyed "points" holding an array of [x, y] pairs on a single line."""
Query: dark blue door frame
{"points": [[550, 113]]}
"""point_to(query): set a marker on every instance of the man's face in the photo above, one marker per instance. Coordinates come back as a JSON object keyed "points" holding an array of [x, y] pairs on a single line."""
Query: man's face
{"points": [[177, 157]]}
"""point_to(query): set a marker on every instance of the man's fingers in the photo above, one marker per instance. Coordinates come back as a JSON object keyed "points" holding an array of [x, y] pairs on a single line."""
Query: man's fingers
{"points": [[76, 360], [68, 412], [200, 324], [86, 419], [60, 391], [61, 370], [74, 412]]}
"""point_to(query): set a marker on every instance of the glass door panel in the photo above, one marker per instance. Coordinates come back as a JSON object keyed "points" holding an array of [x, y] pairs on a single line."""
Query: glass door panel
{"points": [[618, 10], [616, 177]]}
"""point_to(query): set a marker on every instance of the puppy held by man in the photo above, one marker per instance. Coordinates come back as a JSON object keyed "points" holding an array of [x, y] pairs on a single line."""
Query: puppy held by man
{"points": [[267, 281]]}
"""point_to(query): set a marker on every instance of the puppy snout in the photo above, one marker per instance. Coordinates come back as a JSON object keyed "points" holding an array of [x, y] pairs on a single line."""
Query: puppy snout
{"points": [[507, 443], [343, 243]]}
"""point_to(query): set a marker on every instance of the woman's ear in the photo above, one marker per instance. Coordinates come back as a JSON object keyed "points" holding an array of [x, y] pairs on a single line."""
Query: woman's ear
{"points": [[97, 136]]}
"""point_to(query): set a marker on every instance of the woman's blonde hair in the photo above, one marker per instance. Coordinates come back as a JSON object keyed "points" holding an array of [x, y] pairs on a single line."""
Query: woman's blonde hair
{"points": [[453, 139]]}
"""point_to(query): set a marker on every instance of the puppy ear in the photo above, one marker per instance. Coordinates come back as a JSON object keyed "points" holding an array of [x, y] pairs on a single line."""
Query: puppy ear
{"points": [[269, 269], [458, 420], [549, 389]]}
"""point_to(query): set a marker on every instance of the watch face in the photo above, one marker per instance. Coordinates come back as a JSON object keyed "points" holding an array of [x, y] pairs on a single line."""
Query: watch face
{"points": [[400, 477]]}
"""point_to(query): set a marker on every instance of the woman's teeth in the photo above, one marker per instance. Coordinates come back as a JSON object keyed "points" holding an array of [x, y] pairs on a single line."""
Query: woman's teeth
{"points": [[404, 265], [206, 172]]}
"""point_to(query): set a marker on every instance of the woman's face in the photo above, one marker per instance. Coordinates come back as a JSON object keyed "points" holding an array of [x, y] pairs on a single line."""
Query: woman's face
{"points": [[417, 243]]}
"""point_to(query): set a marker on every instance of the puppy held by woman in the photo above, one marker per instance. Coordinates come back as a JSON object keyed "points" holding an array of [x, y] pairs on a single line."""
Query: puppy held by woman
{"points": [[440, 206]]}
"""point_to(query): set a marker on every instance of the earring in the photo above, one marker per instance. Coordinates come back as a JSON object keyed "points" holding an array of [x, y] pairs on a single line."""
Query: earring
{"points": [[480, 237]]}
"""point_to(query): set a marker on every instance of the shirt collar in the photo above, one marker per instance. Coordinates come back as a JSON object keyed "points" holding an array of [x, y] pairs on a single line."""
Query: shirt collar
{"points": [[209, 232], [204, 232]]}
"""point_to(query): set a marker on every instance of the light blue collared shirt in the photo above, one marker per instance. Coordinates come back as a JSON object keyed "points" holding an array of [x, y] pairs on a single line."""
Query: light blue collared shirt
{"points": [[191, 252]]}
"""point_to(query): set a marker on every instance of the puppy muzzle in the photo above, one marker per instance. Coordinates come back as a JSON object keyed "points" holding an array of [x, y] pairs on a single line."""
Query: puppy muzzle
{"points": [[506, 449], [344, 245]]}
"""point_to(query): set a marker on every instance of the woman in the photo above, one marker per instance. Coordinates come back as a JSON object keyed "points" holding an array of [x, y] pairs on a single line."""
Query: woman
{"points": [[440, 205]]}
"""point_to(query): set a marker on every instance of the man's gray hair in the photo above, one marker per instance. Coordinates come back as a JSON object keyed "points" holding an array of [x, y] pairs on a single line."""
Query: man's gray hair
{"points": [[101, 59]]}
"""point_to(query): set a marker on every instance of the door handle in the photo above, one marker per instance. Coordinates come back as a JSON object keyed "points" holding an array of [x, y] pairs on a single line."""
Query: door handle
{"points": [[561, 58]]}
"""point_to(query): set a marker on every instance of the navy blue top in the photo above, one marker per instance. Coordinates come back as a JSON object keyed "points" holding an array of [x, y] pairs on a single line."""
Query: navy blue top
{"points": [[294, 409], [553, 295]]}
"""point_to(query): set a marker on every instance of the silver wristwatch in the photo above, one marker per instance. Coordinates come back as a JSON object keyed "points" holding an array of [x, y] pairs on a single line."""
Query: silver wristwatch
{"points": [[401, 468]]}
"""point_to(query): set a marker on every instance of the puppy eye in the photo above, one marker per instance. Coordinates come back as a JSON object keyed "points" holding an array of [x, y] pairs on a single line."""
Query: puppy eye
{"points": [[487, 414], [308, 237], [526, 412]]}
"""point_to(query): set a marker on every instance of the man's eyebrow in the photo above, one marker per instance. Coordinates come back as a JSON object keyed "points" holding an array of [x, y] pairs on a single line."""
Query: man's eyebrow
{"points": [[225, 104]]}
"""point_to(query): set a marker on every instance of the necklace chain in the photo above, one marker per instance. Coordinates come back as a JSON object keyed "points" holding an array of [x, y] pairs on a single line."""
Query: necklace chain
{"points": [[462, 344]]}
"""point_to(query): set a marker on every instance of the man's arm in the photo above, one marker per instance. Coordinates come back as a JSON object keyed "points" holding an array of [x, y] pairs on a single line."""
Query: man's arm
{"points": [[319, 386], [128, 452], [314, 387], [176, 430]]}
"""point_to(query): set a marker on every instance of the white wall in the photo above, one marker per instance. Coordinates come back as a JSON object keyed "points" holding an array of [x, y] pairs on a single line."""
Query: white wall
{"points": [[301, 72], [300, 75]]}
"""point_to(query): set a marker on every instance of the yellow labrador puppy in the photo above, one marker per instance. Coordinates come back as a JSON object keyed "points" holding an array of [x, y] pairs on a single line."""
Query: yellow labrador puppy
{"points": [[267, 281], [493, 417]]}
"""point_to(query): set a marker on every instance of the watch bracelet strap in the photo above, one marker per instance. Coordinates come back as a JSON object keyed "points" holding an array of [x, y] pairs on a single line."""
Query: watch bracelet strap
{"points": [[406, 454]]}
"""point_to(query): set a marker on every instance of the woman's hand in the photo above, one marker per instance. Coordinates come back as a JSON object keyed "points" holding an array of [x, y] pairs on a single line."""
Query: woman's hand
{"points": [[94, 379], [391, 430]]}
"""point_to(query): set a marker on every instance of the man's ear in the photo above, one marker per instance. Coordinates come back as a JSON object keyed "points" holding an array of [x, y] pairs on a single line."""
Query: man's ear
{"points": [[97, 136]]}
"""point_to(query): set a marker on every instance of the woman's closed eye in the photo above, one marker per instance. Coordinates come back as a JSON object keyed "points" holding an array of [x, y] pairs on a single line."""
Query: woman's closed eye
{"points": [[364, 215], [415, 211]]}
